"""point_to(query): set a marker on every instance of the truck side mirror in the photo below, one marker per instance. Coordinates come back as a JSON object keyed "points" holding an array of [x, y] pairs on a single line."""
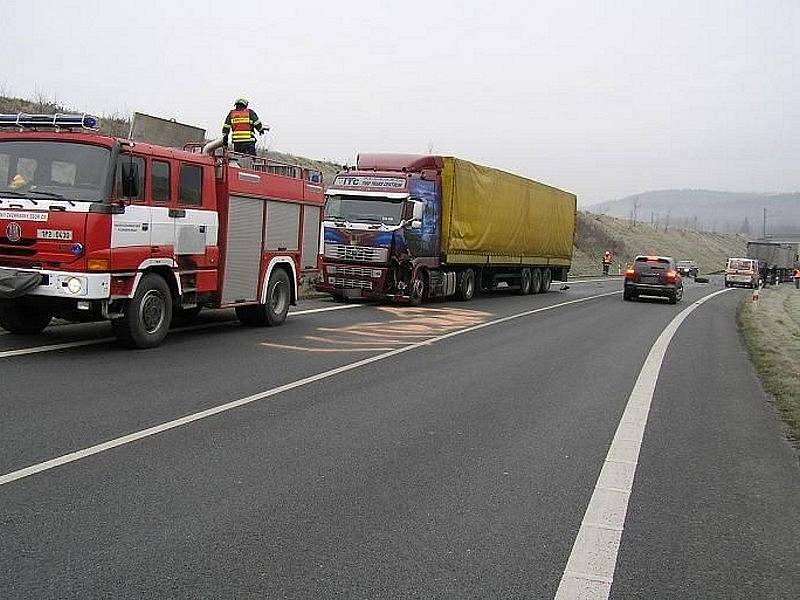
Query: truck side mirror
{"points": [[130, 179], [418, 211]]}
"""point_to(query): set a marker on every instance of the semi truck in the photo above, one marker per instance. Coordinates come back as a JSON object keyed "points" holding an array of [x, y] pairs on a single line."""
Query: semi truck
{"points": [[95, 227], [409, 228], [778, 258]]}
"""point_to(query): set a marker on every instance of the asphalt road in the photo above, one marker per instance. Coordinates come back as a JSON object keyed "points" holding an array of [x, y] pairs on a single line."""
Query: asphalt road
{"points": [[389, 465]]}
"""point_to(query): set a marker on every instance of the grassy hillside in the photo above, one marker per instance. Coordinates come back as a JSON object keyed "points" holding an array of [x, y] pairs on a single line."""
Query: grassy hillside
{"points": [[597, 233]]}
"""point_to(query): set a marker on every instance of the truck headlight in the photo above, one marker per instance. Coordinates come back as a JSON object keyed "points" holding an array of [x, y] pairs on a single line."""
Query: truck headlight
{"points": [[74, 285]]}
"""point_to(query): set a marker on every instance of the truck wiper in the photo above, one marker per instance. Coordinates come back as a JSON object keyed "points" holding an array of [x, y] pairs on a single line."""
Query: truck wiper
{"points": [[50, 195]]}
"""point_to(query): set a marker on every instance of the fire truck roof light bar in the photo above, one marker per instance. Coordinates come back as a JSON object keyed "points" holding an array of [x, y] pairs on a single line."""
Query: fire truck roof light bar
{"points": [[56, 121]]}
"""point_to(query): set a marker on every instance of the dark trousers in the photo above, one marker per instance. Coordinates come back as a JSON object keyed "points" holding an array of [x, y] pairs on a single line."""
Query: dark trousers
{"points": [[605, 268], [797, 283], [245, 147]]}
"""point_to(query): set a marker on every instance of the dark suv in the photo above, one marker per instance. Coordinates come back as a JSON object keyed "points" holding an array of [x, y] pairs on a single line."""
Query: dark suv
{"points": [[653, 276]]}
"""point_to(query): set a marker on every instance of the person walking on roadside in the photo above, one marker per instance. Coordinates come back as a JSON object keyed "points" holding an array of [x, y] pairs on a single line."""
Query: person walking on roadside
{"points": [[607, 258], [242, 123], [796, 276]]}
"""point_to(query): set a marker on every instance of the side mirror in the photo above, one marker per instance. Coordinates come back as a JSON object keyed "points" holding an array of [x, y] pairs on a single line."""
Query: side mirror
{"points": [[417, 210], [130, 179]]}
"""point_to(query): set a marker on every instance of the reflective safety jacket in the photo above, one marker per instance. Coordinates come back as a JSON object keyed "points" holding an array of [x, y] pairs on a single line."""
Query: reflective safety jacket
{"points": [[607, 257], [241, 124], [796, 274]]}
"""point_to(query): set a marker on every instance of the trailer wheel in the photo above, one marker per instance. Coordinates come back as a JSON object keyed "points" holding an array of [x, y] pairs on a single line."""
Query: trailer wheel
{"points": [[23, 316], [148, 315], [273, 313], [536, 280], [524, 282], [547, 279], [466, 285]]}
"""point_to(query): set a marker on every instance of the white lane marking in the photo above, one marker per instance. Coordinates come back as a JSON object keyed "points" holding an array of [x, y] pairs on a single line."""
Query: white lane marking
{"points": [[590, 568], [150, 431], [105, 340]]}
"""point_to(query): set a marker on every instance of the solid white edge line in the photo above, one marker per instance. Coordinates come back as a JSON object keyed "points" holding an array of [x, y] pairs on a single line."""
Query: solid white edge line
{"points": [[150, 431], [105, 340], [589, 572]]}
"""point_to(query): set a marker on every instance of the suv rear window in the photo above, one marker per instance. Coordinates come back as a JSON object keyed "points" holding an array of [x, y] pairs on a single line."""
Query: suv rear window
{"points": [[740, 264]]}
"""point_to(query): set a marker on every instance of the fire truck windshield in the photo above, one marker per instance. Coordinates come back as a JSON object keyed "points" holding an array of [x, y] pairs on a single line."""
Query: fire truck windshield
{"points": [[364, 209], [54, 170]]}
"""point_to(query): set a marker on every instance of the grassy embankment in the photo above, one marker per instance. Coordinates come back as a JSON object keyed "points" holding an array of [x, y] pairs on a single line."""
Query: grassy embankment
{"points": [[595, 234], [771, 330]]}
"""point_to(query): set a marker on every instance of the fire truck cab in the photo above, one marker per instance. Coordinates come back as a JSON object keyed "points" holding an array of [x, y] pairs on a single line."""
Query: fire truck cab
{"points": [[94, 227]]}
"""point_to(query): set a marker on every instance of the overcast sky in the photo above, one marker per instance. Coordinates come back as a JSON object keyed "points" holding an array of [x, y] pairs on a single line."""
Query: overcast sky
{"points": [[603, 99]]}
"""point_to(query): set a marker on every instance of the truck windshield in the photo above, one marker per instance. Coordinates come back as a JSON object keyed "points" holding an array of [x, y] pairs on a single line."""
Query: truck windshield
{"points": [[364, 209], [53, 170]]}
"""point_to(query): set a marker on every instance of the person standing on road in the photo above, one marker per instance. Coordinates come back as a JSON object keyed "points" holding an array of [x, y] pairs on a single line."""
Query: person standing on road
{"points": [[796, 276], [242, 123], [607, 258]]}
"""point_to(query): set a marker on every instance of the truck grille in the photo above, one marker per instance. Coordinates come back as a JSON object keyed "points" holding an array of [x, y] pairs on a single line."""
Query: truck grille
{"points": [[353, 284], [351, 271], [355, 253]]}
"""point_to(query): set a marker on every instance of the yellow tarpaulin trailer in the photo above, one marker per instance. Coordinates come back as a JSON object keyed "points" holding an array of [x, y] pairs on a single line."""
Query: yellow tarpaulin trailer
{"points": [[493, 217]]}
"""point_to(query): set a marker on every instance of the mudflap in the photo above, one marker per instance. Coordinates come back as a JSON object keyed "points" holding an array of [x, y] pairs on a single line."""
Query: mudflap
{"points": [[15, 284]]}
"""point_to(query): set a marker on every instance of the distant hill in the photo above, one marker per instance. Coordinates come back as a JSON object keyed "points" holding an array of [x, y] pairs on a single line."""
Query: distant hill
{"points": [[709, 210]]}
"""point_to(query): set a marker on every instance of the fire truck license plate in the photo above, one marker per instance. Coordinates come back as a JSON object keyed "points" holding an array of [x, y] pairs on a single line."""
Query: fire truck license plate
{"points": [[53, 234]]}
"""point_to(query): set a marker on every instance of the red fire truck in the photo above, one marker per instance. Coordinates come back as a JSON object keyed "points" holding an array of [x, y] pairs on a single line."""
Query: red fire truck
{"points": [[95, 227]]}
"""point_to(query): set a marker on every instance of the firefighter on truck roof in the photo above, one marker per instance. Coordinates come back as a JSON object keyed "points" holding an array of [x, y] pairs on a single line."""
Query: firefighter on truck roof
{"points": [[242, 123]]}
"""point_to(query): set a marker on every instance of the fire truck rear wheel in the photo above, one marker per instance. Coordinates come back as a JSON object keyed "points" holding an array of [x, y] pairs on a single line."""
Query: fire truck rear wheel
{"points": [[23, 316], [148, 315], [273, 313]]}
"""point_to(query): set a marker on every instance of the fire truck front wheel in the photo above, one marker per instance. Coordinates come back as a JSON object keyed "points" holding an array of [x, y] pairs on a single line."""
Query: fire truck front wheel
{"points": [[24, 316], [273, 313], [147, 318]]}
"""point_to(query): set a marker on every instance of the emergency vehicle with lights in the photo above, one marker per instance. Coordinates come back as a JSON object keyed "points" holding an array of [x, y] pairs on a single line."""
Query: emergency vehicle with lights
{"points": [[95, 227]]}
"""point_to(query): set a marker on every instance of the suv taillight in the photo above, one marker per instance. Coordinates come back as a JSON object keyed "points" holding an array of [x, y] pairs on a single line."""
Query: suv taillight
{"points": [[672, 276], [630, 274]]}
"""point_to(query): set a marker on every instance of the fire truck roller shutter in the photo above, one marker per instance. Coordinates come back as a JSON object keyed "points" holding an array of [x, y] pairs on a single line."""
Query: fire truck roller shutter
{"points": [[283, 227], [243, 249], [311, 237]]}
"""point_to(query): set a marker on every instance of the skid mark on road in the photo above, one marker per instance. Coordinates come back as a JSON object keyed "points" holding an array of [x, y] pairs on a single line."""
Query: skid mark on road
{"points": [[198, 327], [408, 325]]}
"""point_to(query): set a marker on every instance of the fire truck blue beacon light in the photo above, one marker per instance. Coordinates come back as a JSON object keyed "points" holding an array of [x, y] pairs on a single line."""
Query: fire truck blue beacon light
{"points": [[77, 249]]}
